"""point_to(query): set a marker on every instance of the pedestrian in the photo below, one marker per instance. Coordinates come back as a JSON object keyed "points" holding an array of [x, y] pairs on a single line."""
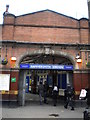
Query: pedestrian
{"points": [[46, 87], [65, 95], [69, 92], [55, 94], [88, 97], [40, 89], [86, 113]]}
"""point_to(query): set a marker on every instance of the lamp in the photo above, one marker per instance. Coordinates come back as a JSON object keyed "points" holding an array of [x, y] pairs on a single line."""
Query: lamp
{"points": [[13, 62], [13, 58], [79, 60], [77, 56]]}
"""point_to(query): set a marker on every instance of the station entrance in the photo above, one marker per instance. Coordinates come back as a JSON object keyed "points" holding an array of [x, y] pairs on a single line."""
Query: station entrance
{"points": [[60, 78], [31, 74]]}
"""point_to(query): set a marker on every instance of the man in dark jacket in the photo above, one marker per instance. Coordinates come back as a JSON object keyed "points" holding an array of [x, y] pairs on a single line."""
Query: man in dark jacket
{"points": [[40, 89], [46, 87], [87, 111], [88, 97], [69, 95], [55, 94]]}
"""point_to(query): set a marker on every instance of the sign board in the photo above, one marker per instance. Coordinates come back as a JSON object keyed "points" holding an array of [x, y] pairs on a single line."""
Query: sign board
{"points": [[4, 82], [61, 92], [46, 66], [13, 79], [82, 94]]}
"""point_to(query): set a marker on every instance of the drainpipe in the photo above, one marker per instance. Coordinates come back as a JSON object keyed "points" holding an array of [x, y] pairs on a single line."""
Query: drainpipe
{"points": [[89, 18], [88, 1]]}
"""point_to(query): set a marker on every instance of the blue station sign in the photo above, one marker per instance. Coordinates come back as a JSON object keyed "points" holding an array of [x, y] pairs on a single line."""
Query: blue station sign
{"points": [[46, 66]]}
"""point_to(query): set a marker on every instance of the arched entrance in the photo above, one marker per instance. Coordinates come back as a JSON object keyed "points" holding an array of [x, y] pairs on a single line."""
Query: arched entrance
{"points": [[56, 68]]}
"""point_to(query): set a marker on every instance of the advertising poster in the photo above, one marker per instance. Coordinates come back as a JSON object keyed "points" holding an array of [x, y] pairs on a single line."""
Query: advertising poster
{"points": [[4, 82]]}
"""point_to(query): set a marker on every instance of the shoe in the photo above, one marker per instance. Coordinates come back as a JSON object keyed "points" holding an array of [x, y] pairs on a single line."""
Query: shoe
{"points": [[54, 105], [72, 109], [65, 107], [41, 103], [45, 102]]}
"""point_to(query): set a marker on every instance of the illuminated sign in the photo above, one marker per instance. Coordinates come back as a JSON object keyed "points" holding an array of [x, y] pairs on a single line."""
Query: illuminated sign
{"points": [[13, 79], [46, 66]]}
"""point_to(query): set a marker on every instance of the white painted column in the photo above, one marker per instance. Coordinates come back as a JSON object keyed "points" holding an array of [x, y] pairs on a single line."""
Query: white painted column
{"points": [[24, 86], [68, 78], [0, 107]]}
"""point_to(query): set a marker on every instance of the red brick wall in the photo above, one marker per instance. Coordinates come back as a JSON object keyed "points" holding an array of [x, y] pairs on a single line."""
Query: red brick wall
{"points": [[52, 28], [89, 79], [80, 80], [84, 36], [13, 85], [46, 18], [9, 19], [8, 32], [84, 23], [0, 32], [46, 35]]}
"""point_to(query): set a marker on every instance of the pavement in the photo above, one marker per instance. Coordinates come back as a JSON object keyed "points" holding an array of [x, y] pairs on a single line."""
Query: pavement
{"points": [[33, 109]]}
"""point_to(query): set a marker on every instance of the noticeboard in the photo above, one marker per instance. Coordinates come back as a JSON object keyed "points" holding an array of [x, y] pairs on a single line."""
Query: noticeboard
{"points": [[61, 92], [4, 82], [82, 93]]}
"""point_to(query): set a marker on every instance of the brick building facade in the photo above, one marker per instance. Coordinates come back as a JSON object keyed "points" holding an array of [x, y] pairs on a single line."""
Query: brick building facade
{"points": [[45, 37]]}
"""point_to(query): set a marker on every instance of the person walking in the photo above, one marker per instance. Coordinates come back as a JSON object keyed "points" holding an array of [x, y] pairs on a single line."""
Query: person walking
{"points": [[86, 113], [88, 97], [46, 87], [55, 94], [40, 89], [69, 92]]}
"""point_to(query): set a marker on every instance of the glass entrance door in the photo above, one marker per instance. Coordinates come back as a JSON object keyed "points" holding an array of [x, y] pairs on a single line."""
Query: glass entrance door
{"points": [[62, 81]]}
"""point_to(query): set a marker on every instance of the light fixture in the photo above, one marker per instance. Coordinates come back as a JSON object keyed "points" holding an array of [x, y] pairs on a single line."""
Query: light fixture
{"points": [[13, 58], [77, 56], [79, 60]]}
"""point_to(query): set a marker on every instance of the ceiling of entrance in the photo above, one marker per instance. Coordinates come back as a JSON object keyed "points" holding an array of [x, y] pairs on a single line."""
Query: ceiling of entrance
{"points": [[46, 59]]}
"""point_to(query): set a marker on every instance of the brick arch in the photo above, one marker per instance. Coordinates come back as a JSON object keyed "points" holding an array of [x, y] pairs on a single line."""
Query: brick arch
{"points": [[67, 55], [53, 52]]}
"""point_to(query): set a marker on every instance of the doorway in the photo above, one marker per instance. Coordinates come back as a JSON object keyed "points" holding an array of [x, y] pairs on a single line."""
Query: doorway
{"points": [[29, 81]]}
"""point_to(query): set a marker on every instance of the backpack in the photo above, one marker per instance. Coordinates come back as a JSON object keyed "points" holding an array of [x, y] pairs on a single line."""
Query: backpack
{"points": [[70, 92]]}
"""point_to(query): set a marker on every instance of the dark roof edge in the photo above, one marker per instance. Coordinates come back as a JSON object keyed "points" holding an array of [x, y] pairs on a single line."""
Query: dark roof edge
{"points": [[47, 10], [9, 14], [84, 19]]}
